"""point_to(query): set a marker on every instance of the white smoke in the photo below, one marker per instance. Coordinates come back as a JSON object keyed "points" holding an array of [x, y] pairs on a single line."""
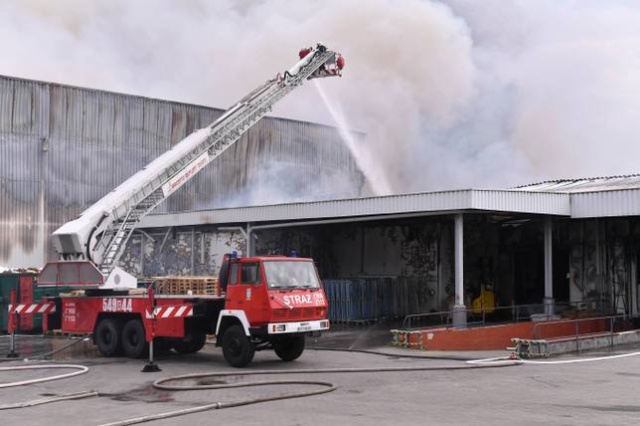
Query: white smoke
{"points": [[560, 78], [462, 94]]}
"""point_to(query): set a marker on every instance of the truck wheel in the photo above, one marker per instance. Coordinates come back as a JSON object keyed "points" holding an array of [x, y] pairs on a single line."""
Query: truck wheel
{"points": [[134, 341], [192, 342], [236, 347], [108, 333], [289, 349]]}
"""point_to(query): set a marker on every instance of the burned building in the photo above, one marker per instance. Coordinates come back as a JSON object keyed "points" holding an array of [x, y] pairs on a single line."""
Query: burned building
{"points": [[555, 245]]}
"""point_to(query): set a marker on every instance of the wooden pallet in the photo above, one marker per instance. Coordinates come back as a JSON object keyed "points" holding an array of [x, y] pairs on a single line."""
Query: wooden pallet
{"points": [[60, 333], [187, 285]]}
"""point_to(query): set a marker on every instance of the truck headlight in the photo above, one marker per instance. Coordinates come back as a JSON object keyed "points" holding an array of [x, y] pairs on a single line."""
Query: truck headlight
{"points": [[275, 328]]}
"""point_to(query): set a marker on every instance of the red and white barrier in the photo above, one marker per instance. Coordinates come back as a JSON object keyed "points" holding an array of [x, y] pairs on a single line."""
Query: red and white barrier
{"points": [[16, 310], [33, 308], [164, 312]]}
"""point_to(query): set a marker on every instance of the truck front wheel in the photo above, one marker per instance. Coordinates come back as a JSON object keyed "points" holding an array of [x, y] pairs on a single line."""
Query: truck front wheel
{"points": [[236, 347], [133, 339], [289, 349], [108, 333]]}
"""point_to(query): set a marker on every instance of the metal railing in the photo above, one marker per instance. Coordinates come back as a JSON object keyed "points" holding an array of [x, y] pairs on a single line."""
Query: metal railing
{"points": [[475, 317], [572, 330], [496, 315], [610, 320]]}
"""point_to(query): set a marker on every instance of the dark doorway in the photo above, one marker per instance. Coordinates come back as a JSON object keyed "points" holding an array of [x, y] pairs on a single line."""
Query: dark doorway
{"points": [[528, 277], [560, 271]]}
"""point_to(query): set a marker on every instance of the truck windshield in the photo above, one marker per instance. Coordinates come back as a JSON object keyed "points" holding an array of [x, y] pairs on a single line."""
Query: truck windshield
{"points": [[286, 275]]}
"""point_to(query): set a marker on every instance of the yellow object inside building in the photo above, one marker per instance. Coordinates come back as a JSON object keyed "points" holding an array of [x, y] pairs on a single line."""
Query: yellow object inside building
{"points": [[486, 301]]}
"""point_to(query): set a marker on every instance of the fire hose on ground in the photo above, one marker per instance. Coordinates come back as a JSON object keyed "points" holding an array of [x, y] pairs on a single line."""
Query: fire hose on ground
{"points": [[325, 387], [162, 384], [79, 369]]}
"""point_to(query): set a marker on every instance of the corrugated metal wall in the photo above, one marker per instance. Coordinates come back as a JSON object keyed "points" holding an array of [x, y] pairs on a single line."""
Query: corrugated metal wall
{"points": [[62, 148]]}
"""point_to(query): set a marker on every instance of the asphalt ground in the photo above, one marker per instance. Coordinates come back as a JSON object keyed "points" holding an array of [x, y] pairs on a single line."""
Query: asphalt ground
{"points": [[603, 392]]}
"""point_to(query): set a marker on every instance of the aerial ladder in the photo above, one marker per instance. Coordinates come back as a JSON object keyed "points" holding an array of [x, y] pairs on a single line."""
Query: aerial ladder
{"points": [[90, 246]]}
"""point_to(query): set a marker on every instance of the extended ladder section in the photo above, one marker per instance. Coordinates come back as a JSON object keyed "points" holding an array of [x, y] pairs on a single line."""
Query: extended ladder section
{"points": [[102, 231]]}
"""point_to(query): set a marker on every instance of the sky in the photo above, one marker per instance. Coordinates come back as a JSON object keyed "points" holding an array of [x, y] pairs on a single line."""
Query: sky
{"points": [[451, 94]]}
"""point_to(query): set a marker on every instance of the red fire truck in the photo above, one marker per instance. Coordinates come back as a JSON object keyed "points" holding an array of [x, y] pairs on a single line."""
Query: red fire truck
{"points": [[268, 302], [264, 302]]}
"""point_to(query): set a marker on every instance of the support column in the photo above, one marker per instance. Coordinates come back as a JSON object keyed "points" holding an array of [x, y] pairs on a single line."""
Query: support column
{"points": [[193, 250], [548, 268], [459, 309], [249, 239]]}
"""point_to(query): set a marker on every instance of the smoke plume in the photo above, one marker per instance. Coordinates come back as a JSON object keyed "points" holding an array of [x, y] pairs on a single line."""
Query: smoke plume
{"points": [[450, 94]]}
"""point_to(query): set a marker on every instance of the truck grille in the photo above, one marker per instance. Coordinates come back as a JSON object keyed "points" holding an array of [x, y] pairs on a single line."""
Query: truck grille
{"points": [[280, 314], [298, 313]]}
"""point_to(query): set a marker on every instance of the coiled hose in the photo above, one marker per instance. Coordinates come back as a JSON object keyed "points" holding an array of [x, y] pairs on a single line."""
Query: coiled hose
{"points": [[80, 369], [326, 387]]}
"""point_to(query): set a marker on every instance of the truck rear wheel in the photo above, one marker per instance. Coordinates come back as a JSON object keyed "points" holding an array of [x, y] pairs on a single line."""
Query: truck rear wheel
{"points": [[192, 342], [236, 347], [289, 349], [108, 333], [134, 341]]}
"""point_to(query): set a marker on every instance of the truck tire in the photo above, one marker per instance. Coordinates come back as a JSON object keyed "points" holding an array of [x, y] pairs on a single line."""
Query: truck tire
{"points": [[289, 349], [192, 342], [236, 347], [108, 332], [134, 341]]}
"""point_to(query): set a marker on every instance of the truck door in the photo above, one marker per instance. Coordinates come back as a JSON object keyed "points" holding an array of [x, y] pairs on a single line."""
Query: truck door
{"points": [[246, 291]]}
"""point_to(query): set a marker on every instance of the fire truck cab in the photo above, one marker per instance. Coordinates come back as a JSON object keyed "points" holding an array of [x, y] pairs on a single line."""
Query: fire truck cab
{"points": [[271, 302]]}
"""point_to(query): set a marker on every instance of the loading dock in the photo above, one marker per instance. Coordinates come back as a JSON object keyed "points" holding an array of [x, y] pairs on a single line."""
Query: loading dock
{"points": [[533, 246]]}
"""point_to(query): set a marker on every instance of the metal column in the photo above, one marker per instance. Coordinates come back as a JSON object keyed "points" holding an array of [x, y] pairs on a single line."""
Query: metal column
{"points": [[548, 268], [249, 238], [459, 309]]}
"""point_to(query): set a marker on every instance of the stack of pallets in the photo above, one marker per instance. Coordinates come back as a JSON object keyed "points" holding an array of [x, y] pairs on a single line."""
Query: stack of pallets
{"points": [[187, 285]]}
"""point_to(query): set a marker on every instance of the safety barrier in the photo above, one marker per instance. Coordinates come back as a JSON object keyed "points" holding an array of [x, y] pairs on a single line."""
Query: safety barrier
{"points": [[27, 293], [177, 311], [580, 326], [477, 317], [575, 335], [407, 339], [493, 315], [33, 308], [16, 311]]}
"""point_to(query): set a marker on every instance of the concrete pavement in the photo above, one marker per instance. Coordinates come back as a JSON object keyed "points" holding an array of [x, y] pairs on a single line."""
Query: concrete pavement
{"points": [[590, 393]]}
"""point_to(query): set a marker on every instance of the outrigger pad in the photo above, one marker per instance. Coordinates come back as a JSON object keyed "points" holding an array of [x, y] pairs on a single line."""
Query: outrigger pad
{"points": [[151, 367]]}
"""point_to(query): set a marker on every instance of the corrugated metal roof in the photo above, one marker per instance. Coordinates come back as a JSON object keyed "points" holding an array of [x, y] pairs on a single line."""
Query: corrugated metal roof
{"points": [[605, 183], [605, 196], [605, 204], [614, 196], [420, 203]]}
